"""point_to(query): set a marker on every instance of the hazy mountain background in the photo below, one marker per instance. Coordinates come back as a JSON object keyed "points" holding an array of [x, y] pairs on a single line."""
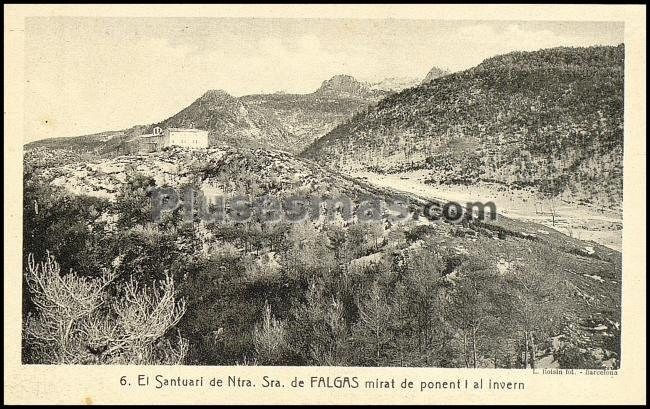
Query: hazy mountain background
{"points": [[288, 122]]}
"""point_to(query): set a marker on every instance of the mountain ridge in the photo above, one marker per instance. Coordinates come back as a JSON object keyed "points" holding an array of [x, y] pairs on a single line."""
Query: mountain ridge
{"points": [[276, 121], [551, 119]]}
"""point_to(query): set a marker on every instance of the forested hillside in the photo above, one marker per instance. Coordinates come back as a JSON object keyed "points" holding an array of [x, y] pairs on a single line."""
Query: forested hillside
{"points": [[549, 119], [108, 143], [326, 291]]}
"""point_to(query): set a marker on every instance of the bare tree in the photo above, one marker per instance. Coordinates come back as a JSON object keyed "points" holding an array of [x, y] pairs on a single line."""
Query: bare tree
{"points": [[535, 309], [77, 320], [475, 304], [337, 352], [372, 329]]}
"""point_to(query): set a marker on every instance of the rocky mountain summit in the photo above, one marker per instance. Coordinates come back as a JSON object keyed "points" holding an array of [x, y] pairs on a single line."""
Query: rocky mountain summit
{"points": [[434, 73]]}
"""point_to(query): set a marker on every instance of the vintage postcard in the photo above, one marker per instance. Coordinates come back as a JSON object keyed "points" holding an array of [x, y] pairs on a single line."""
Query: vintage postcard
{"points": [[324, 204]]}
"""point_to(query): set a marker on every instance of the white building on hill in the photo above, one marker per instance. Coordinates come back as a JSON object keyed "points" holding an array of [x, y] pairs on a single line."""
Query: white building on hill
{"points": [[185, 137]]}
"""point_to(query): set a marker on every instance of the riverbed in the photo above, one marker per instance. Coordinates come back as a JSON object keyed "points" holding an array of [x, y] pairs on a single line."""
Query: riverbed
{"points": [[578, 221]]}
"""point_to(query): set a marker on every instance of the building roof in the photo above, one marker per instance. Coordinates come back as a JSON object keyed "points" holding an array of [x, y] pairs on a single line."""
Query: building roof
{"points": [[186, 130]]}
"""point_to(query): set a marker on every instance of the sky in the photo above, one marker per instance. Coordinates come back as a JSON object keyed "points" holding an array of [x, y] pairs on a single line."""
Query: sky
{"points": [[87, 75]]}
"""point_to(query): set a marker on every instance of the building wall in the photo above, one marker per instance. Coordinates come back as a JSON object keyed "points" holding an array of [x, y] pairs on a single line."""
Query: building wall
{"points": [[148, 143], [148, 147], [197, 139]]}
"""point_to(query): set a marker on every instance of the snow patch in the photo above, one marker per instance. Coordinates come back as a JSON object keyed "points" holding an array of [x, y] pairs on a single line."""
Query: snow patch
{"points": [[462, 250], [595, 277], [503, 266]]}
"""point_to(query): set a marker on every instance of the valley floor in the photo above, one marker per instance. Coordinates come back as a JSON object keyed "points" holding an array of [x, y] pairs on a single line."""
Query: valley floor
{"points": [[577, 221]]}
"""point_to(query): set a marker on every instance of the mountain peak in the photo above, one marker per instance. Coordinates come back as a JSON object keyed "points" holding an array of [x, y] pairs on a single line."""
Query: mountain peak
{"points": [[215, 93], [215, 98], [341, 78], [434, 73], [524, 92], [343, 84]]}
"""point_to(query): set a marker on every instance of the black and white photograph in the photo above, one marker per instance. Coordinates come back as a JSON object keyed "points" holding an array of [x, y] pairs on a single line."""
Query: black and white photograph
{"points": [[340, 192]]}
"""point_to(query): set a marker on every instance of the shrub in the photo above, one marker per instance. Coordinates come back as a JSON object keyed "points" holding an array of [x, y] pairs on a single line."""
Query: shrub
{"points": [[79, 321], [269, 338], [572, 357]]}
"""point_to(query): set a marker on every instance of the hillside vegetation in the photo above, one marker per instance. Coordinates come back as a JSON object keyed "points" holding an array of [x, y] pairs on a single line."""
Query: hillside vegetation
{"points": [[310, 116], [327, 291], [101, 144], [230, 122], [549, 119], [111, 278]]}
